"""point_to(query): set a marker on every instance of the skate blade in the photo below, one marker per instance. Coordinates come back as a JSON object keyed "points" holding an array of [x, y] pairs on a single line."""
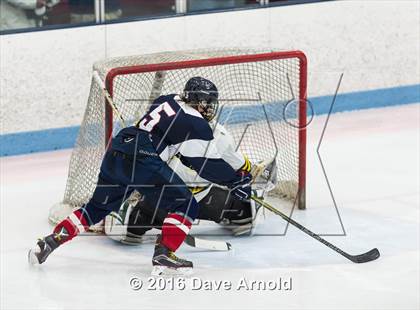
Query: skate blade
{"points": [[32, 258], [166, 271]]}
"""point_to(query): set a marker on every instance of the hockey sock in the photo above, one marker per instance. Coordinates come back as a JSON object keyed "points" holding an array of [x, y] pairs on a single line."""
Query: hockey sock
{"points": [[70, 227], [174, 230]]}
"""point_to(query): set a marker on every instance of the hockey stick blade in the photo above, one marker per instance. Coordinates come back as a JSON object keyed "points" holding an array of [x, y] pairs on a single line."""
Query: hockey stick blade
{"points": [[207, 244], [365, 257], [358, 259]]}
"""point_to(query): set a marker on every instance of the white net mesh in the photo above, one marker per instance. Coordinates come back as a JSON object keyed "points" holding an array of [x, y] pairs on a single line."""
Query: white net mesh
{"points": [[253, 97]]}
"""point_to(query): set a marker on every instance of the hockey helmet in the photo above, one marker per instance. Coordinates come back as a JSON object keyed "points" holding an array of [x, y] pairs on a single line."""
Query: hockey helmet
{"points": [[202, 95]]}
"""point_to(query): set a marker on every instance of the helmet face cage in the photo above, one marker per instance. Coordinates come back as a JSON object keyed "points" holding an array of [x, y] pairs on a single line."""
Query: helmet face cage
{"points": [[209, 108], [202, 94]]}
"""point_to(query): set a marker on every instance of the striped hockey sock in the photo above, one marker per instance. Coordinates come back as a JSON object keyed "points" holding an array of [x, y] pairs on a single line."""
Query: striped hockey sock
{"points": [[70, 227], [174, 230]]}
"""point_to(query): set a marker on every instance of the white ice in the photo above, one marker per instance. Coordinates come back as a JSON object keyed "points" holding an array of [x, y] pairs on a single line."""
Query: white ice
{"points": [[372, 161]]}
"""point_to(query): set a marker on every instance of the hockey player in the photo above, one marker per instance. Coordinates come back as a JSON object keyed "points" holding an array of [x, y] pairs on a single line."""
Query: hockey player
{"points": [[136, 160]]}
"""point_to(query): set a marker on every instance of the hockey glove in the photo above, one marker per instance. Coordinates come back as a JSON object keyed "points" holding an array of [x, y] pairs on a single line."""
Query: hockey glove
{"points": [[241, 189]]}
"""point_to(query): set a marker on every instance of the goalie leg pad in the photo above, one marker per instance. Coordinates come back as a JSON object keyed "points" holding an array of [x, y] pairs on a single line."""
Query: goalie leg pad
{"points": [[247, 226], [144, 217], [217, 206]]}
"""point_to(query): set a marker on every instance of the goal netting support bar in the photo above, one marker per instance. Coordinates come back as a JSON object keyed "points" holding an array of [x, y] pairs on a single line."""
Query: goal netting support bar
{"points": [[263, 105]]}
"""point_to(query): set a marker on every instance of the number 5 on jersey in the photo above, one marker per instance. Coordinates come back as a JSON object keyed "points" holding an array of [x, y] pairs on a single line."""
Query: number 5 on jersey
{"points": [[150, 121]]}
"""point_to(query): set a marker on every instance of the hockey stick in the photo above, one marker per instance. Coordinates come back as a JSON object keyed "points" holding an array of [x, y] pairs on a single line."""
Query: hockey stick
{"points": [[108, 96], [213, 245], [361, 258]]}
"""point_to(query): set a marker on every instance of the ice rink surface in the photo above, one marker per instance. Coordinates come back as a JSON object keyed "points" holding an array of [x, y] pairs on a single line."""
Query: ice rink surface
{"points": [[372, 161]]}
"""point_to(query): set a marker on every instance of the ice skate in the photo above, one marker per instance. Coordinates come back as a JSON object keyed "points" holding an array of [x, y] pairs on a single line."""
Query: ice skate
{"points": [[43, 249], [165, 262]]}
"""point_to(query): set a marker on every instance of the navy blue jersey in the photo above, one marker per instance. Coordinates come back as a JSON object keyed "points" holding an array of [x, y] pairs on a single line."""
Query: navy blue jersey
{"points": [[174, 127], [171, 122]]}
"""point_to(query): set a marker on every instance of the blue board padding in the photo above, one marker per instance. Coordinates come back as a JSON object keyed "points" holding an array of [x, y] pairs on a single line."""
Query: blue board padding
{"points": [[368, 99], [38, 141]]}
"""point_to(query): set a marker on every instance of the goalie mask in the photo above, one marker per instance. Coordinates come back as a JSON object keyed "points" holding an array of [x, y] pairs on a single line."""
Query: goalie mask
{"points": [[202, 95]]}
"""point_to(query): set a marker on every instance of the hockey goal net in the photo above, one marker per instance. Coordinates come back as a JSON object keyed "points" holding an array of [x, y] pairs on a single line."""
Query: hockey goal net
{"points": [[262, 96]]}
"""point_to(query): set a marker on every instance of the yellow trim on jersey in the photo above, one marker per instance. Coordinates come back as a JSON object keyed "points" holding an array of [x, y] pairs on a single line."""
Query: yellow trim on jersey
{"points": [[247, 165], [197, 189]]}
